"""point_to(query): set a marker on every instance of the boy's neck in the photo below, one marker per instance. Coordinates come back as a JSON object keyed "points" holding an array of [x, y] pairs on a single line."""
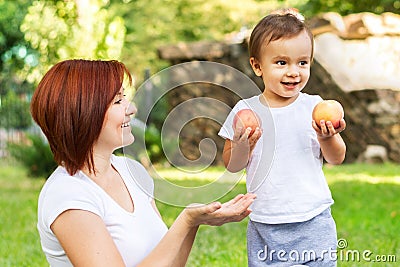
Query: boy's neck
{"points": [[276, 101]]}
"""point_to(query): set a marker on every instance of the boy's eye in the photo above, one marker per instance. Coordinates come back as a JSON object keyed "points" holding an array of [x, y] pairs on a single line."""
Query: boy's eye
{"points": [[281, 62], [303, 63]]}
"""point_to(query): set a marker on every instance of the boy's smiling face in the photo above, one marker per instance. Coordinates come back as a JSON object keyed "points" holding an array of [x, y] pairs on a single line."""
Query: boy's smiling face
{"points": [[284, 66]]}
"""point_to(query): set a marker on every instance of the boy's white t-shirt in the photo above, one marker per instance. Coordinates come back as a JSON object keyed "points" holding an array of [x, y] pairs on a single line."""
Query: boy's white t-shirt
{"points": [[285, 168], [135, 234]]}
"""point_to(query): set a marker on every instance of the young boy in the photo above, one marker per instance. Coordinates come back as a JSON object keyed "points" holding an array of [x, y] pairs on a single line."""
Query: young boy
{"points": [[291, 222]]}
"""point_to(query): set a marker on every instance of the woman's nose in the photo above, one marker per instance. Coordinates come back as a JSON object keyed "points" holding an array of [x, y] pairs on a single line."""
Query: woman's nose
{"points": [[131, 109]]}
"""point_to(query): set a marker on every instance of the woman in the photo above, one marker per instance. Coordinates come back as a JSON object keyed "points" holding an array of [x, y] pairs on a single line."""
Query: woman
{"points": [[91, 211]]}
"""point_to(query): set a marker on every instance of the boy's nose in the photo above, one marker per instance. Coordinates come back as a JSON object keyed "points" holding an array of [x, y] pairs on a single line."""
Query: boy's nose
{"points": [[293, 72]]}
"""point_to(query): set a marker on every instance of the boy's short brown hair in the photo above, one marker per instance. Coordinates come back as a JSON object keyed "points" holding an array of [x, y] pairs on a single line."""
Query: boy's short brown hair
{"points": [[280, 24]]}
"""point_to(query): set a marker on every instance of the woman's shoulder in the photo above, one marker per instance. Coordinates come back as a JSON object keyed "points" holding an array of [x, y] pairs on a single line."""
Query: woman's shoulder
{"points": [[63, 191], [61, 185], [61, 178]]}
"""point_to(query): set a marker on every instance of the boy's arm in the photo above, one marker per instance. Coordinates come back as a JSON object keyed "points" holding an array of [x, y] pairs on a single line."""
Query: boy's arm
{"points": [[237, 151], [332, 145]]}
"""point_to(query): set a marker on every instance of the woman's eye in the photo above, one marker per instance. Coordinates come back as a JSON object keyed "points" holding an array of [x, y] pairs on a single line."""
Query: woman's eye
{"points": [[120, 100]]}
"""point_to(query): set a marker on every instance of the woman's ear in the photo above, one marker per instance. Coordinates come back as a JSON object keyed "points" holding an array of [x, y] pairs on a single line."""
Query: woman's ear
{"points": [[255, 66]]}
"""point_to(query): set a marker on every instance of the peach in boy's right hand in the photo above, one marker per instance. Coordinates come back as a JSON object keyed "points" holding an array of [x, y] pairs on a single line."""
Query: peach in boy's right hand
{"points": [[246, 118]]}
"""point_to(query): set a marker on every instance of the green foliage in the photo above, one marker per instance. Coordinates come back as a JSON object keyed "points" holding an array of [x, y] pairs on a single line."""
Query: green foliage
{"points": [[13, 48], [151, 24], [153, 144], [78, 29], [15, 55], [345, 7], [147, 145], [35, 156], [14, 112]]}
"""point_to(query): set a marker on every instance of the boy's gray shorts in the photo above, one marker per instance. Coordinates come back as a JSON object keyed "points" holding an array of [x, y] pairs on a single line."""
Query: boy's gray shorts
{"points": [[309, 243]]}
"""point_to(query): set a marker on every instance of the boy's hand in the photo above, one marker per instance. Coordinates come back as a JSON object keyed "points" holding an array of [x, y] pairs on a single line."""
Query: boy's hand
{"points": [[327, 130], [237, 151], [241, 138]]}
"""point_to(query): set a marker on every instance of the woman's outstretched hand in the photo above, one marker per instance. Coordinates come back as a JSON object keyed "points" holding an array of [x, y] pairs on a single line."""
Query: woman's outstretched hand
{"points": [[217, 214], [174, 248]]}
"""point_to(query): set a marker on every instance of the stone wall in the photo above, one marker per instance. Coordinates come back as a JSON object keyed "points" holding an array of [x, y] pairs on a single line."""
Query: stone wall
{"points": [[383, 108], [357, 62]]}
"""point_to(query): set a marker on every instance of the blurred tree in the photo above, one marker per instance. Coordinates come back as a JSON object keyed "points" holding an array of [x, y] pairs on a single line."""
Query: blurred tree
{"points": [[153, 23], [14, 113], [345, 7], [16, 55], [72, 29]]}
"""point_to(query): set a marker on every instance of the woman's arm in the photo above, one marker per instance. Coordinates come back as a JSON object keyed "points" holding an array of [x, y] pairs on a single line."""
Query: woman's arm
{"points": [[174, 248], [186, 247], [86, 241]]}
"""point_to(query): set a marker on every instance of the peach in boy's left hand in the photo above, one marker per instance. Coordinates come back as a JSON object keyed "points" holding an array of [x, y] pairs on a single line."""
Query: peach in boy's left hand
{"points": [[327, 129]]}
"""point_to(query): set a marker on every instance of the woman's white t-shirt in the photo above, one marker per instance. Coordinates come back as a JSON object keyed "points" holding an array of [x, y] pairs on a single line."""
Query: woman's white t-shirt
{"points": [[135, 234], [285, 168]]}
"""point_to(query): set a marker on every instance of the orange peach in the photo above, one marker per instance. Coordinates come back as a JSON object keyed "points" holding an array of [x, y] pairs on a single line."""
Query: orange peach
{"points": [[246, 118], [328, 110]]}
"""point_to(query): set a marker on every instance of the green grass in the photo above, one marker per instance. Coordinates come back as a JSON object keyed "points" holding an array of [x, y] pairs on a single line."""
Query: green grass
{"points": [[19, 240], [366, 210]]}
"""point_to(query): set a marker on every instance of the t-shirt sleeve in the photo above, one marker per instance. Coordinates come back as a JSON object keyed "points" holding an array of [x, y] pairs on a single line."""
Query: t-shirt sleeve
{"points": [[315, 99], [68, 193], [226, 130]]}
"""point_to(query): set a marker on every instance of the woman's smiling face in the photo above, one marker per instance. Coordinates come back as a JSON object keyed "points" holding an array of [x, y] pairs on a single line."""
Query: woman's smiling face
{"points": [[116, 131]]}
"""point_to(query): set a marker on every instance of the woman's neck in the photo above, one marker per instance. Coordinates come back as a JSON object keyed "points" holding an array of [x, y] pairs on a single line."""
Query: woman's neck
{"points": [[101, 165]]}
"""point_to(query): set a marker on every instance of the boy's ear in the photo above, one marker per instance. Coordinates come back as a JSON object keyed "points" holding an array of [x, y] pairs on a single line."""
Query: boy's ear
{"points": [[255, 66]]}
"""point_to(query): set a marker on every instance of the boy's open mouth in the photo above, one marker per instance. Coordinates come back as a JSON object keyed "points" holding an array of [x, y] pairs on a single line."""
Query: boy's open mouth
{"points": [[290, 83]]}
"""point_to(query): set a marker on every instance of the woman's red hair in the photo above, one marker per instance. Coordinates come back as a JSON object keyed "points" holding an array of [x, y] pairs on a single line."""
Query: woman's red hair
{"points": [[70, 104]]}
